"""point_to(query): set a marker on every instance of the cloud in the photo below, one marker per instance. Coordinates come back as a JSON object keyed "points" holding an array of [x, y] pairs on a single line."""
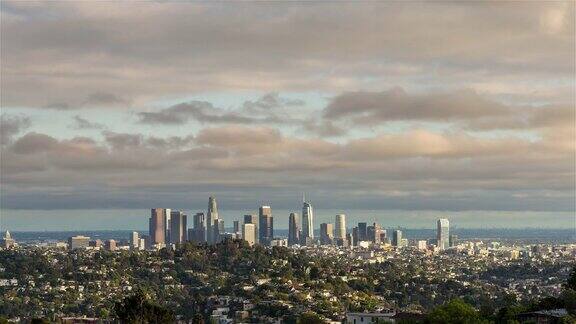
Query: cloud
{"points": [[201, 111], [203, 48], [82, 123], [397, 104], [11, 125]]}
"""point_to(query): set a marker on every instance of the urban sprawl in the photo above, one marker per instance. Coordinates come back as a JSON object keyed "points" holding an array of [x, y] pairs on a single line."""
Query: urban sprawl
{"points": [[205, 274]]}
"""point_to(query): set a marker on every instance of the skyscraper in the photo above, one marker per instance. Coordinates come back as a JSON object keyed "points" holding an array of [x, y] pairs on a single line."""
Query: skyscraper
{"points": [[362, 232], [199, 228], [326, 233], [210, 217], [249, 233], [217, 230], [252, 219], [293, 229], [157, 223], [236, 227], [397, 238], [340, 226], [78, 242], [266, 222], [307, 221], [178, 233], [443, 234], [135, 240], [373, 233]]}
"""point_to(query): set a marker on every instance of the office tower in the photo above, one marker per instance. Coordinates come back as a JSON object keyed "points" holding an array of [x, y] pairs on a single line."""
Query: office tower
{"points": [[293, 229], [110, 245], [326, 233], [421, 245], [453, 240], [443, 234], [167, 217], [249, 233], [78, 242], [236, 227], [373, 233], [362, 232], [355, 236], [340, 226], [397, 238], [307, 222], [178, 225], [97, 243], [252, 219], [157, 229], [266, 224], [134, 240], [7, 242], [142, 244], [383, 236], [211, 216], [217, 230], [199, 232]]}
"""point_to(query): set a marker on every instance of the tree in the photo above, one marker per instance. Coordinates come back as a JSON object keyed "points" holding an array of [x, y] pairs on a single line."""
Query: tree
{"points": [[455, 311], [137, 308], [571, 282], [310, 318]]}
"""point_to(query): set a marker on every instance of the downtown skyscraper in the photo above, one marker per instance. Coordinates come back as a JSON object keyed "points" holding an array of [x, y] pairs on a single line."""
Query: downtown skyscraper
{"points": [[443, 234], [307, 222], [178, 227], [293, 229], [266, 225], [212, 221], [340, 222], [157, 225]]}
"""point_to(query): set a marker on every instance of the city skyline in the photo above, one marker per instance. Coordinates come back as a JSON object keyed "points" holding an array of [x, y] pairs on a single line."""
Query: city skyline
{"points": [[323, 98]]}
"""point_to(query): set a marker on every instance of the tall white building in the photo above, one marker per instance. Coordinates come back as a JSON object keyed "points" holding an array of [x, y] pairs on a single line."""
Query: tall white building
{"points": [[211, 219], [340, 226], [249, 233], [443, 234], [134, 240], [307, 221]]}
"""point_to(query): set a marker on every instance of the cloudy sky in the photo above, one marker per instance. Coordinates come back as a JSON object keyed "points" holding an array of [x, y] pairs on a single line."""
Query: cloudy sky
{"points": [[447, 106]]}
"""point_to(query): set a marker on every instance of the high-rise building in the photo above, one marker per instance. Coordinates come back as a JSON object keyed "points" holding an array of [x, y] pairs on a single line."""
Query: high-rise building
{"points": [[211, 216], [7, 241], [340, 226], [167, 217], [199, 232], [326, 233], [96, 244], [453, 240], [355, 236], [157, 223], [293, 229], [217, 230], [443, 234], [249, 233], [397, 238], [252, 219], [362, 232], [78, 242], [266, 225], [307, 222], [236, 227], [374, 233], [178, 225], [110, 245], [134, 240]]}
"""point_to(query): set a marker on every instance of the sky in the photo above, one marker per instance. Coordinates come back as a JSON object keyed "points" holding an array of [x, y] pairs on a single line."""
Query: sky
{"points": [[433, 106]]}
